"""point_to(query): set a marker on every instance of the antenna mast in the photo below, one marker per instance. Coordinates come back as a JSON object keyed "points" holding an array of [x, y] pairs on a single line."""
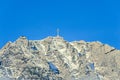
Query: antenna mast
{"points": [[58, 31]]}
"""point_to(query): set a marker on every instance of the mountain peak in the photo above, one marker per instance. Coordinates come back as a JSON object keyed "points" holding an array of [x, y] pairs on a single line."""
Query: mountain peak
{"points": [[22, 38], [54, 58]]}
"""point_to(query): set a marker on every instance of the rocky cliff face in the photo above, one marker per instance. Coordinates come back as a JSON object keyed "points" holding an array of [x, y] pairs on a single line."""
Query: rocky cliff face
{"points": [[53, 58]]}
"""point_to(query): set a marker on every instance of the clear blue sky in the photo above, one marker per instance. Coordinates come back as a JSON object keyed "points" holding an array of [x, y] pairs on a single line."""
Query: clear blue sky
{"points": [[89, 20]]}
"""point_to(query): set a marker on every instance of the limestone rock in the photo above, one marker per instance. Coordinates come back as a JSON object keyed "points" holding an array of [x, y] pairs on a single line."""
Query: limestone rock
{"points": [[54, 58]]}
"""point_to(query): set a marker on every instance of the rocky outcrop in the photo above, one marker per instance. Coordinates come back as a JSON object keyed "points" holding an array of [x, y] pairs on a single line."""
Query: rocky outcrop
{"points": [[53, 58]]}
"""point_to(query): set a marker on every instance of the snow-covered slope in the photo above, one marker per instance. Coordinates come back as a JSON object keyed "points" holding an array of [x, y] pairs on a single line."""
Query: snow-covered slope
{"points": [[53, 58]]}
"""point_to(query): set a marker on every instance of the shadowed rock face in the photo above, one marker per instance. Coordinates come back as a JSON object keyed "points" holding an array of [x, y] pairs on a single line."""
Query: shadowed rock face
{"points": [[53, 58]]}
